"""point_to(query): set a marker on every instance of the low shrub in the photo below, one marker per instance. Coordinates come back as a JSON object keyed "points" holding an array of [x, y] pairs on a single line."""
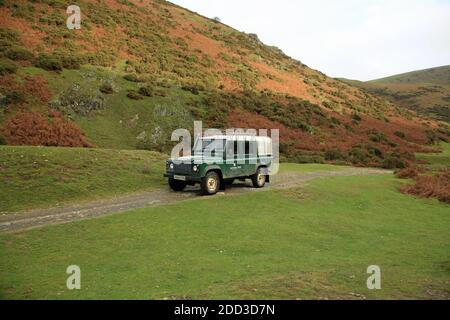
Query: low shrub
{"points": [[306, 158], [146, 91], [192, 89], [14, 97], [132, 94], [334, 154], [106, 88], [437, 186], [375, 151], [49, 62], [7, 67], [394, 162], [358, 155], [18, 53], [132, 77], [160, 93], [400, 134], [356, 117], [30, 128], [377, 137], [408, 173], [71, 62]]}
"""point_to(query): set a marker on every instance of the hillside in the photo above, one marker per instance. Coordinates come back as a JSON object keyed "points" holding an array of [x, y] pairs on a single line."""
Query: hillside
{"points": [[138, 69], [426, 91], [439, 75]]}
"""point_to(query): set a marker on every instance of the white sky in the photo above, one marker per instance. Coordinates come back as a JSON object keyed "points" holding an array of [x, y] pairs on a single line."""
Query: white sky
{"points": [[356, 39]]}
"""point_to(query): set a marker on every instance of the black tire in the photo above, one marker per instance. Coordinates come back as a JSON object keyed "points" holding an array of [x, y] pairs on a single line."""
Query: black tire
{"points": [[259, 178], [210, 183], [229, 182], [177, 185]]}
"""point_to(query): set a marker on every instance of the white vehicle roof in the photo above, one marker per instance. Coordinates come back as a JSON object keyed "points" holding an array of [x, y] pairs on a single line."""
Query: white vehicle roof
{"points": [[241, 137]]}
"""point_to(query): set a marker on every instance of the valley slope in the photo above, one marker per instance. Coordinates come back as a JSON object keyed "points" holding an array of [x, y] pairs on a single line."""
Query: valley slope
{"points": [[136, 70], [425, 91]]}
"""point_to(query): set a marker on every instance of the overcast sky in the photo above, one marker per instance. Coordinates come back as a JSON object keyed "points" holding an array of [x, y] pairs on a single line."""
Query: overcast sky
{"points": [[356, 39]]}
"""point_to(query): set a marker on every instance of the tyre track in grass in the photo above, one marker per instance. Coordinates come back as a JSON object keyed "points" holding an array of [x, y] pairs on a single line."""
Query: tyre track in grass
{"points": [[20, 221]]}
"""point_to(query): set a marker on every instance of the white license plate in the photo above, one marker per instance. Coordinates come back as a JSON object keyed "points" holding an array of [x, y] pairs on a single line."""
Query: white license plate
{"points": [[182, 178]]}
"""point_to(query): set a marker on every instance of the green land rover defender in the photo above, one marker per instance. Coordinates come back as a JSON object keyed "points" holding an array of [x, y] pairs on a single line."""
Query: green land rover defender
{"points": [[218, 160]]}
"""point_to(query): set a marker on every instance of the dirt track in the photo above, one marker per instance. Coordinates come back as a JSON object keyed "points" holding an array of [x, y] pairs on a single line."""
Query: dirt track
{"points": [[14, 222]]}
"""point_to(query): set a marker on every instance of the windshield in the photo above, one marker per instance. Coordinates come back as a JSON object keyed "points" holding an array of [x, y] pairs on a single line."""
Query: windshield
{"points": [[208, 144]]}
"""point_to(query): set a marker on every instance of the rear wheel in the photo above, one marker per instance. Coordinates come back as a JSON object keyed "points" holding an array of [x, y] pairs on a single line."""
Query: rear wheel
{"points": [[210, 183], [177, 185], [259, 178]]}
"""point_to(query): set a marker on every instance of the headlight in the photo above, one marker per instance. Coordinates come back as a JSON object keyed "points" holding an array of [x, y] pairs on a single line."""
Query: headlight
{"points": [[195, 168], [171, 166]]}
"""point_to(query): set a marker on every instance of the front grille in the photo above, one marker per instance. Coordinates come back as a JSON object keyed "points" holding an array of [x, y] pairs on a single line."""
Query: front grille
{"points": [[182, 168]]}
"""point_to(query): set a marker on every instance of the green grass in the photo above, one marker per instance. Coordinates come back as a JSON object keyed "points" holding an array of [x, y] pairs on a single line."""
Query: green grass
{"points": [[313, 167], [436, 161], [33, 177], [39, 177], [312, 243], [118, 125]]}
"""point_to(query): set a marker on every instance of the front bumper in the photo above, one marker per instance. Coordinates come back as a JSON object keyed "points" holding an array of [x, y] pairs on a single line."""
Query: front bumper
{"points": [[188, 178]]}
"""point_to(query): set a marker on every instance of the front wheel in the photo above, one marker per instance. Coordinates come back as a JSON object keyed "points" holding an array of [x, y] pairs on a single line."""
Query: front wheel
{"points": [[259, 178], [210, 183], [177, 185]]}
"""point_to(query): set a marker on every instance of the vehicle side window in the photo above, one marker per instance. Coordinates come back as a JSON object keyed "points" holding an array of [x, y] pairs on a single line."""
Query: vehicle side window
{"points": [[231, 147]]}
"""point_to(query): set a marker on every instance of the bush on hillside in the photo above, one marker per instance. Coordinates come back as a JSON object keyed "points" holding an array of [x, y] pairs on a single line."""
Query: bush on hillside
{"points": [[400, 134], [437, 186], [30, 128], [18, 53], [132, 77], [146, 91], [359, 155], [378, 137], [14, 97], [49, 62], [374, 151], [306, 158], [192, 89], [106, 88], [71, 62], [335, 154], [393, 161], [8, 39], [408, 173], [132, 94], [356, 117], [7, 67]]}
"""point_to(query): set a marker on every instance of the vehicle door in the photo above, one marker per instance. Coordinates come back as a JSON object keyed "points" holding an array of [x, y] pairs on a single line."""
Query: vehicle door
{"points": [[230, 167], [251, 158]]}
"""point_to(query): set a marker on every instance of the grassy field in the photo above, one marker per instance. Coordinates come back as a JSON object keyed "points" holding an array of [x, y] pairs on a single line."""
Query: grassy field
{"points": [[40, 177], [301, 243], [33, 177]]}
